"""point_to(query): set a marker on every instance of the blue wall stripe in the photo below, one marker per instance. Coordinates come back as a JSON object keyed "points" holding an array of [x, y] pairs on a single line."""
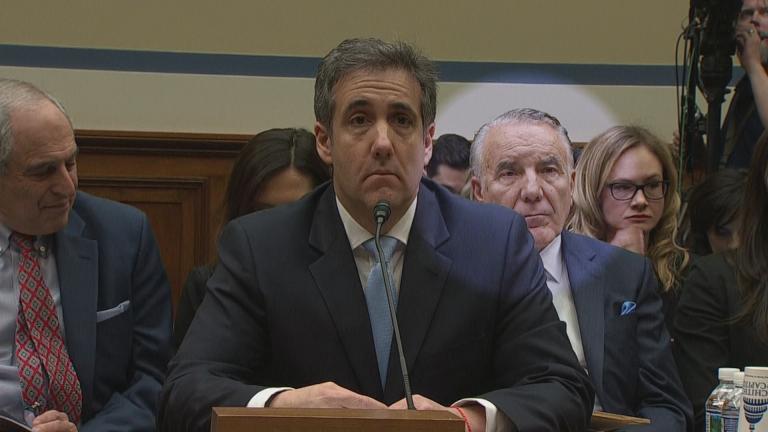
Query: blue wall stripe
{"points": [[305, 67]]}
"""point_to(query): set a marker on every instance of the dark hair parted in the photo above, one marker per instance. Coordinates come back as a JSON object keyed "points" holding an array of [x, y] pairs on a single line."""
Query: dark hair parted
{"points": [[451, 150], [265, 155], [751, 257], [370, 54], [714, 202]]}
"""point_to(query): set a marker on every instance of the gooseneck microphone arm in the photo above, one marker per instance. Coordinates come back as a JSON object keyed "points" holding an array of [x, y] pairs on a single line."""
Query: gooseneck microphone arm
{"points": [[381, 212]]}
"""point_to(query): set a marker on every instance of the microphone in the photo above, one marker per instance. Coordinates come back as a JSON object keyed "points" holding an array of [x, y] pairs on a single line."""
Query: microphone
{"points": [[381, 212]]}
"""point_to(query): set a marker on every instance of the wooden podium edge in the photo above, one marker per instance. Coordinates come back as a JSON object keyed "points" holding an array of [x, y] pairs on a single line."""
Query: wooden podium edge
{"points": [[605, 421], [230, 419]]}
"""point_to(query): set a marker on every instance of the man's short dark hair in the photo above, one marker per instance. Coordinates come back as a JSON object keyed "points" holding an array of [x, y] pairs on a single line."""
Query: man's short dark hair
{"points": [[353, 55], [451, 150]]}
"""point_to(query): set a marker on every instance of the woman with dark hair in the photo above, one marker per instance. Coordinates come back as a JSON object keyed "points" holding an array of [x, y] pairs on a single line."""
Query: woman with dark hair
{"points": [[722, 317], [713, 209], [275, 167]]}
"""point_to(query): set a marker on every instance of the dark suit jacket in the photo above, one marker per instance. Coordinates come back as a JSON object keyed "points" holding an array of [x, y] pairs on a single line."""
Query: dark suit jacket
{"points": [[285, 308], [192, 294], [706, 337], [742, 127], [629, 357], [107, 256]]}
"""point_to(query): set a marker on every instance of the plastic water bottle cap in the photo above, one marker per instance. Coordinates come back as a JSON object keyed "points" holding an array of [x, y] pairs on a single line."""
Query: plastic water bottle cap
{"points": [[738, 378], [726, 373]]}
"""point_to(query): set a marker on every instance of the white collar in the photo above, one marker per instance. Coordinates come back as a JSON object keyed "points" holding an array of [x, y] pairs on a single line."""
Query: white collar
{"points": [[552, 259], [358, 235]]}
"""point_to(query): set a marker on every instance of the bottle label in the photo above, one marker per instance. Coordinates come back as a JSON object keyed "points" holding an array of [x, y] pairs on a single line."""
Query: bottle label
{"points": [[714, 421], [730, 422]]}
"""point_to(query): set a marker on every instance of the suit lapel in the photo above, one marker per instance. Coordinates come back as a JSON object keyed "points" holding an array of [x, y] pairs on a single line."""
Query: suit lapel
{"points": [[421, 285], [587, 287], [336, 276], [77, 264]]}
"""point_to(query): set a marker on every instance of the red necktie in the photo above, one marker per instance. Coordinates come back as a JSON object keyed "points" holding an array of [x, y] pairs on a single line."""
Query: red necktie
{"points": [[48, 379]]}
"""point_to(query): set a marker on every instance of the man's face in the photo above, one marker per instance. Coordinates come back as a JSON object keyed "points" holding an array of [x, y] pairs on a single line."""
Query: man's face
{"points": [[525, 168], [38, 188], [377, 144], [452, 178], [754, 14]]}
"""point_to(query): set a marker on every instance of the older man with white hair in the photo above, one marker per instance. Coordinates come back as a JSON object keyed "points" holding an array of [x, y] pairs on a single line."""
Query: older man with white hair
{"points": [[606, 295]]}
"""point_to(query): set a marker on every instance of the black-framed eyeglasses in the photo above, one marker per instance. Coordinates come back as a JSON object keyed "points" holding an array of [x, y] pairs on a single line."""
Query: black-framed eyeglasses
{"points": [[624, 191]]}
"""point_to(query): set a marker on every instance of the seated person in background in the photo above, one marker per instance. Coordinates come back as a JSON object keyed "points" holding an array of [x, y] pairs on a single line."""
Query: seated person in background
{"points": [[449, 165], [722, 317], [626, 195], [275, 167], [713, 212], [605, 294], [286, 321], [85, 307], [748, 111]]}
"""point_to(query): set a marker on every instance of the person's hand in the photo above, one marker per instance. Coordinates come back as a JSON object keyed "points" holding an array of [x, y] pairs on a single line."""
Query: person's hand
{"points": [[325, 395], [631, 238], [53, 421], [475, 413], [749, 41]]}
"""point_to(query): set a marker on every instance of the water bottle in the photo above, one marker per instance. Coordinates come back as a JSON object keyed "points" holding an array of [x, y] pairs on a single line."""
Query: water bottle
{"points": [[714, 416], [732, 403]]}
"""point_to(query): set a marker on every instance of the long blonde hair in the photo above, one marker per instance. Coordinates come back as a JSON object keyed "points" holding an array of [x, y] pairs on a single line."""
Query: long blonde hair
{"points": [[592, 170]]}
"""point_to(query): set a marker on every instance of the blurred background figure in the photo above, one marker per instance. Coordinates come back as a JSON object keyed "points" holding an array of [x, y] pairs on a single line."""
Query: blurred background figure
{"points": [[713, 212], [722, 317], [626, 194], [275, 167], [449, 165]]}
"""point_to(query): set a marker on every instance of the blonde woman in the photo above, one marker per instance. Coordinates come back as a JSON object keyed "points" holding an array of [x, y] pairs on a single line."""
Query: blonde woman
{"points": [[626, 195]]}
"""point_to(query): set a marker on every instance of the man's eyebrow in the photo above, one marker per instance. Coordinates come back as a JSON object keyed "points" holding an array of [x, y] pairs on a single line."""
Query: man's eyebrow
{"points": [[355, 104], [505, 165], [551, 160], [402, 106]]}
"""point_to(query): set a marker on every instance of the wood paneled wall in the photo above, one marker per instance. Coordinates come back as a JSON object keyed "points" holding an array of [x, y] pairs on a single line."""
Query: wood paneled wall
{"points": [[178, 180]]}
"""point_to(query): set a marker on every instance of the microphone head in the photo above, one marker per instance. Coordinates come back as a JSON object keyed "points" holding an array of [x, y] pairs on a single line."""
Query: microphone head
{"points": [[381, 212]]}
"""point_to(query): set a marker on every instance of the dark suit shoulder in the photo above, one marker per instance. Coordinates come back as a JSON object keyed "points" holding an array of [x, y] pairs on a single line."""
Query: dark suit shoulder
{"points": [[104, 212], [604, 253]]}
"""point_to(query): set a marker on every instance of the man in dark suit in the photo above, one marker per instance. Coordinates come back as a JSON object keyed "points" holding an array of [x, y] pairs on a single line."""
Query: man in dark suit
{"points": [[605, 294], [288, 322], [85, 272]]}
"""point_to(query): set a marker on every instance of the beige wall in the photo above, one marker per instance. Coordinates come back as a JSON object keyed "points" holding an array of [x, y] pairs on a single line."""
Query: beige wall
{"points": [[538, 31]]}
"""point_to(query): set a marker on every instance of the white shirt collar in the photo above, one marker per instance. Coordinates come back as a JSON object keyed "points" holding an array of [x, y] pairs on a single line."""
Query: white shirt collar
{"points": [[358, 235], [552, 259]]}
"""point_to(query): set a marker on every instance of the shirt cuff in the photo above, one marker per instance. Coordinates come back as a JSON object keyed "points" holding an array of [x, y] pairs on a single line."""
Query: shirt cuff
{"points": [[261, 398], [495, 420]]}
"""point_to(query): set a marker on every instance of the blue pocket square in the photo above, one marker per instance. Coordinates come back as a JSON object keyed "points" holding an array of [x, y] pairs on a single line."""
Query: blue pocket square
{"points": [[628, 307]]}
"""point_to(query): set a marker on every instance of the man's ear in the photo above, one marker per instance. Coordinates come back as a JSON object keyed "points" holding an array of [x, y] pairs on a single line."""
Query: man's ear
{"points": [[428, 141], [323, 143], [477, 190]]}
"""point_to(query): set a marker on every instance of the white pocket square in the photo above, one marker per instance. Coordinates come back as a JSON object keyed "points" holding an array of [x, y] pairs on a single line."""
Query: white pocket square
{"points": [[112, 312]]}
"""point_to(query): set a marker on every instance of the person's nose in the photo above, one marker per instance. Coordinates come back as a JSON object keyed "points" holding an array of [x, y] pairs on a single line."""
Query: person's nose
{"points": [[64, 182], [382, 144], [639, 200], [531, 191]]}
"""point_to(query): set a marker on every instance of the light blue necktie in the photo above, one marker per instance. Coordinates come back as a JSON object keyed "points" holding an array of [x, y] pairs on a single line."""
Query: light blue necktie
{"points": [[378, 308]]}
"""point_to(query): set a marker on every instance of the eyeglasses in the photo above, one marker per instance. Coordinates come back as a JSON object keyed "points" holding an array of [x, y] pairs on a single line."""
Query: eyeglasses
{"points": [[622, 191]]}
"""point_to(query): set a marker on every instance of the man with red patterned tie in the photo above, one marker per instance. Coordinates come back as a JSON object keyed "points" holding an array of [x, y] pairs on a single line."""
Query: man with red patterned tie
{"points": [[84, 300]]}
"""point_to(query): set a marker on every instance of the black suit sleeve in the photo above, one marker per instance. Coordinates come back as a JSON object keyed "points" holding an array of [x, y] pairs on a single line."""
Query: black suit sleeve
{"points": [[542, 385], [225, 345]]}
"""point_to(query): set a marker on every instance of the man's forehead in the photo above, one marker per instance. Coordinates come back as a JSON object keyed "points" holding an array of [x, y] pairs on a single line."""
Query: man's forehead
{"points": [[753, 4]]}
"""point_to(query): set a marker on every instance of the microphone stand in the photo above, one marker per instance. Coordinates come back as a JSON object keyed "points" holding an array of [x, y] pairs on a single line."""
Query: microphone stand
{"points": [[381, 213]]}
